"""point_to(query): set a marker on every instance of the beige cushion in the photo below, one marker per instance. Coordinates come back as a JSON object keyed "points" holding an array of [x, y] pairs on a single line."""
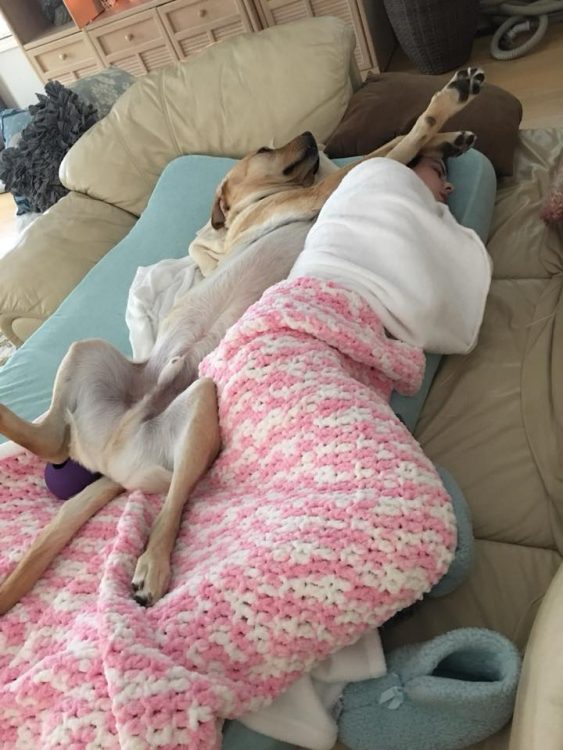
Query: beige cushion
{"points": [[246, 92], [499, 406], [521, 245], [503, 592], [493, 418], [538, 719], [53, 254]]}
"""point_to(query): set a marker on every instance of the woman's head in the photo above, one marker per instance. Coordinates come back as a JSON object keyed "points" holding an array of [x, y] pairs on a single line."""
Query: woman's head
{"points": [[432, 171]]}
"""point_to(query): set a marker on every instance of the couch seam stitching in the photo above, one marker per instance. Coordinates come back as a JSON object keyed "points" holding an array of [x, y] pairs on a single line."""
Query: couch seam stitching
{"points": [[164, 105], [132, 160]]}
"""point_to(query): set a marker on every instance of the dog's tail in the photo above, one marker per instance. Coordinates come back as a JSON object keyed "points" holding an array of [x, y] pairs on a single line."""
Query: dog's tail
{"points": [[71, 516]]}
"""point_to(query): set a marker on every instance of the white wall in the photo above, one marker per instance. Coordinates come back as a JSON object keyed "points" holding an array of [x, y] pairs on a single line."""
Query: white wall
{"points": [[18, 81]]}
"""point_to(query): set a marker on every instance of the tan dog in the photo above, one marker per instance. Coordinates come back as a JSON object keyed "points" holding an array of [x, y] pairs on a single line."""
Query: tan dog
{"points": [[152, 425]]}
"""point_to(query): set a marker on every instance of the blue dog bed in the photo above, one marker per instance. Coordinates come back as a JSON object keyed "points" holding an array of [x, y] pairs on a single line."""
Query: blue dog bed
{"points": [[178, 207]]}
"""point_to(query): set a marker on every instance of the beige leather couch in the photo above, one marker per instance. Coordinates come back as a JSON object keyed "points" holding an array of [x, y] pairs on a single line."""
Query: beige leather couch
{"points": [[245, 92], [492, 418]]}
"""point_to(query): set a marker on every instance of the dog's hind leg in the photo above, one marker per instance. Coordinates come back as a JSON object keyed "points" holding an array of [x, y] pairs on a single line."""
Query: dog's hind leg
{"points": [[48, 437], [72, 515], [440, 146], [196, 451], [448, 145], [88, 368], [424, 136]]}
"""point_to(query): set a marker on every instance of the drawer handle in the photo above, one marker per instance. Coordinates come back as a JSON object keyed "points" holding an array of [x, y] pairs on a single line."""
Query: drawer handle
{"points": [[128, 37], [202, 12], [63, 56]]}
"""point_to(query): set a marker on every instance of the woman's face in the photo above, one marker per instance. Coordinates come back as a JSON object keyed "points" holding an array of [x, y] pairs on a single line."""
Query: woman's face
{"points": [[433, 173]]}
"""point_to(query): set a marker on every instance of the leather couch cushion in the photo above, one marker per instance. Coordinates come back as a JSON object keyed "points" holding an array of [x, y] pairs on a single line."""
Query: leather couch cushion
{"points": [[503, 592], [493, 418], [521, 245], [248, 91], [500, 406], [539, 707], [51, 257]]}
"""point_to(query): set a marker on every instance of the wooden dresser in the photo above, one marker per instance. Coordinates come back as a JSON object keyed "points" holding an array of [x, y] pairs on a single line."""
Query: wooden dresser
{"points": [[144, 35]]}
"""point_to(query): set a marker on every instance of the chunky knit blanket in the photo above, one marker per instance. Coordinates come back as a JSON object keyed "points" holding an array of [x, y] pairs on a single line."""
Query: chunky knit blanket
{"points": [[320, 519]]}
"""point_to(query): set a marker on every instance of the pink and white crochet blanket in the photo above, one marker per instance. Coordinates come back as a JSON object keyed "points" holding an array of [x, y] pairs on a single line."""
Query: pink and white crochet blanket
{"points": [[320, 519]]}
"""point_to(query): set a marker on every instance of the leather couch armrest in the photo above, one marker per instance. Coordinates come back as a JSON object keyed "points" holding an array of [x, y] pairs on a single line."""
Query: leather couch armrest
{"points": [[53, 254], [538, 716]]}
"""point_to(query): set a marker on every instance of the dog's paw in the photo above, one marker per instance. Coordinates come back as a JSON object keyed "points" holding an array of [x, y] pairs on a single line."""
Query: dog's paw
{"points": [[466, 84], [151, 579], [462, 142]]}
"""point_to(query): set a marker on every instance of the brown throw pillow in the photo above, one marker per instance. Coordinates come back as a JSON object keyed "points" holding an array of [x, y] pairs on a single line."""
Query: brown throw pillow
{"points": [[387, 105]]}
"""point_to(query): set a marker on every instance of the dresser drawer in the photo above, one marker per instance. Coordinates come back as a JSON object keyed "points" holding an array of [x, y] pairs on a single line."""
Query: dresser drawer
{"points": [[193, 25], [184, 15], [275, 12], [65, 58], [138, 43], [127, 34]]}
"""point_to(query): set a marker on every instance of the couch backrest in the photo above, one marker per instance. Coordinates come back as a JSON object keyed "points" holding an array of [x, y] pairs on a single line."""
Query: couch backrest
{"points": [[248, 91]]}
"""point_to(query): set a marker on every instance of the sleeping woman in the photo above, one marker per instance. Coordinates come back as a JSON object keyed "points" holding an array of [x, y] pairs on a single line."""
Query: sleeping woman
{"points": [[355, 522]]}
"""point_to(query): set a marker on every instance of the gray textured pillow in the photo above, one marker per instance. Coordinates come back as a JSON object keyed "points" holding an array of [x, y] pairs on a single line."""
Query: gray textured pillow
{"points": [[30, 168], [102, 89], [57, 122]]}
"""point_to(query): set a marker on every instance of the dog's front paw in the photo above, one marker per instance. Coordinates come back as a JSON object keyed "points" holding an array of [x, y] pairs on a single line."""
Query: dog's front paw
{"points": [[466, 84], [151, 579]]}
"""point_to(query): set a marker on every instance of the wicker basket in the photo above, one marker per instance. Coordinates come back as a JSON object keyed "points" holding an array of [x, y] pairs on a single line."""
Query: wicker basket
{"points": [[436, 35]]}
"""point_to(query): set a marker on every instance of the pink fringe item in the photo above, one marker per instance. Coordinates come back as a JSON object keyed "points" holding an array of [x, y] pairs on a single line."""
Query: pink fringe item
{"points": [[552, 209], [320, 519]]}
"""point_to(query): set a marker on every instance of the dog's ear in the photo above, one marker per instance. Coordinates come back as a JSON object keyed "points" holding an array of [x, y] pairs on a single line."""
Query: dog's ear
{"points": [[218, 209]]}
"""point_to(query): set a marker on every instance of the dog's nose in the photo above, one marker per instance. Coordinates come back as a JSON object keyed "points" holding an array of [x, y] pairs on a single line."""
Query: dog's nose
{"points": [[310, 138]]}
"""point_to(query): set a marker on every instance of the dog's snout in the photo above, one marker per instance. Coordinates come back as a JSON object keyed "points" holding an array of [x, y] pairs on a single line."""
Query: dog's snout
{"points": [[309, 139]]}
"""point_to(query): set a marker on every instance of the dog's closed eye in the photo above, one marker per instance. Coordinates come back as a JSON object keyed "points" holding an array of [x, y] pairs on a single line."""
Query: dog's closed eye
{"points": [[264, 150], [219, 211]]}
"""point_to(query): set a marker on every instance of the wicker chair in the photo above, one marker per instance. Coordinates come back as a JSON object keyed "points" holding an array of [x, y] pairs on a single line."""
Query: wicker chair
{"points": [[436, 35]]}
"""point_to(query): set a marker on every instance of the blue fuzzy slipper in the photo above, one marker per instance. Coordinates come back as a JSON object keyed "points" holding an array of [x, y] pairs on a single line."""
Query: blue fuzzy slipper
{"points": [[444, 694], [238, 737], [463, 559]]}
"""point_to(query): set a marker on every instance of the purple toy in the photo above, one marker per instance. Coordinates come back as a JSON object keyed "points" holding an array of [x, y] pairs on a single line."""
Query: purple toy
{"points": [[67, 479]]}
